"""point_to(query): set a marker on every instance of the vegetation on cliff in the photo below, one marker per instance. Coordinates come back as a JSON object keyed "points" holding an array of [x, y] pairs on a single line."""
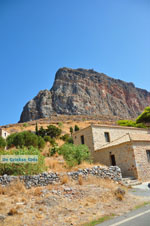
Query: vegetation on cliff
{"points": [[142, 121]]}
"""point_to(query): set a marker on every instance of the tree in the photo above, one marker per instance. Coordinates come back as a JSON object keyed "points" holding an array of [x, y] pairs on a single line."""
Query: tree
{"points": [[2, 142], [36, 129], [53, 131], [71, 130], [42, 132], [76, 128], [22, 139], [144, 117]]}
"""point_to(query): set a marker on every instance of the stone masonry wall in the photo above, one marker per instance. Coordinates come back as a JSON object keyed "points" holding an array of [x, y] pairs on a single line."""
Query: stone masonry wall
{"points": [[142, 164], [114, 132], [88, 139], [46, 178], [124, 157]]}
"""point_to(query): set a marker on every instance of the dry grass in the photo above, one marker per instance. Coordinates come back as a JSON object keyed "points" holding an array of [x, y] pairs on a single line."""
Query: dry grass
{"points": [[37, 191], [13, 189], [119, 194], [2, 190], [64, 179], [56, 164], [12, 211], [80, 180], [106, 183]]}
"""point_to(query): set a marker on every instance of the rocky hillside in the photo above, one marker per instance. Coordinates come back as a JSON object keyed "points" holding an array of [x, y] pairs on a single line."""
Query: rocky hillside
{"points": [[87, 92]]}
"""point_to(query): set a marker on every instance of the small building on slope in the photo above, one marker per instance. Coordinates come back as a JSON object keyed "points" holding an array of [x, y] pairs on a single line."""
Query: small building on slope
{"points": [[4, 133], [126, 147]]}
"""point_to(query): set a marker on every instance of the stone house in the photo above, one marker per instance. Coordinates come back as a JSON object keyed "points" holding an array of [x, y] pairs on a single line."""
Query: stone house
{"points": [[4, 133], [126, 147]]}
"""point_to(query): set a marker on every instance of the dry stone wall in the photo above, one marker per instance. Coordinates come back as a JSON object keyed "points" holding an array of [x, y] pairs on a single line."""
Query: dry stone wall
{"points": [[46, 178]]}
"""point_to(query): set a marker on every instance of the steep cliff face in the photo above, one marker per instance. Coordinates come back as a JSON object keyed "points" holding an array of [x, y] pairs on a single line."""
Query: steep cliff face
{"points": [[87, 92]]}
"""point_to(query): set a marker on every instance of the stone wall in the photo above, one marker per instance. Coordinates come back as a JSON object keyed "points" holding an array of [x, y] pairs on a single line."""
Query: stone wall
{"points": [[95, 139], [142, 164], [46, 178], [124, 156], [114, 132], [88, 139]]}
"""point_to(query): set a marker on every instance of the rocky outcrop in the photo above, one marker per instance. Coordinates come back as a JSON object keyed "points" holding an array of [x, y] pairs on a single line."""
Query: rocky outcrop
{"points": [[87, 92]]}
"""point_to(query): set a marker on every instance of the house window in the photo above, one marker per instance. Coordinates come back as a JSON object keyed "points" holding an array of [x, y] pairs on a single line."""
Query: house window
{"points": [[107, 137], [148, 155], [5, 134], [82, 139]]}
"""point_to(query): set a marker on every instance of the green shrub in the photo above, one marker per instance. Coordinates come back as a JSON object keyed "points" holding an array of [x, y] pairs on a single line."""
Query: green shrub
{"points": [[76, 128], [74, 154], [2, 142], [144, 117], [23, 168], [130, 123], [25, 124], [71, 130], [41, 143], [67, 138], [47, 138], [60, 124], [54, 149], [51, 131], [51, 140], [42, 132], [10, 140], [26, 139]]}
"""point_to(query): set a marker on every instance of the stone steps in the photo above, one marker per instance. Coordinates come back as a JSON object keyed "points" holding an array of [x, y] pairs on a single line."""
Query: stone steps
{"points": [[130, 181]]}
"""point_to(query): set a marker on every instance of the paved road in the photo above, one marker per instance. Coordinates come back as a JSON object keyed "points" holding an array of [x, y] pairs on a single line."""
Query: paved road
{"points": [[139, 217]]}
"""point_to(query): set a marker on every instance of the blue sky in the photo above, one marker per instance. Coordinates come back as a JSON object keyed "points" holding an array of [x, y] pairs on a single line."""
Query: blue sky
{"points": [[37, 37]]}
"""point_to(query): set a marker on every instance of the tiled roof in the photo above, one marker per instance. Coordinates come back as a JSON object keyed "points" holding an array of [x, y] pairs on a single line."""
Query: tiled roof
{"points": [[140, 137], [127, 138]]}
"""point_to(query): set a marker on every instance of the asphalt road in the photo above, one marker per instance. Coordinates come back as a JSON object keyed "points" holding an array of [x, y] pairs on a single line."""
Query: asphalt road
{"points": [[139, 217]]}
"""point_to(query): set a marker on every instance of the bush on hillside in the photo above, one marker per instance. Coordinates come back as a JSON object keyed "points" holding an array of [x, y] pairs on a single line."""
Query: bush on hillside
{"points": [[76, 128], [51, 131], [54, 149], [67, 138], [71, 130], [75, 154], [144, 117], [25, 139], [41, 143], [130, 123], [23, 168], [2, 143], [50, 140]]}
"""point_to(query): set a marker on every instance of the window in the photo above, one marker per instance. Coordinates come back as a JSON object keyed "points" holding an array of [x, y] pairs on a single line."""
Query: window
{"points": [[5, 134], [148, 155], [107, 137], [82, 139]]}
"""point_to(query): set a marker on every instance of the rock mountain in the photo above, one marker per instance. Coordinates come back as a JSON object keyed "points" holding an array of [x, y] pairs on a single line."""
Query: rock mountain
{"points": [[87, 92]]}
